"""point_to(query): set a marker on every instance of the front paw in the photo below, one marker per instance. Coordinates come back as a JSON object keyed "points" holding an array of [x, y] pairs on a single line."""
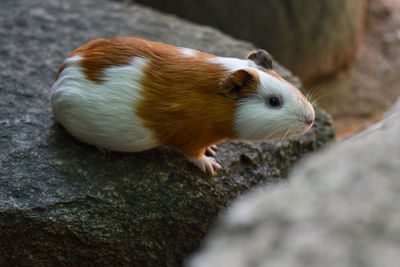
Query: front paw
{"points": [[211, 150], [206, 164]]}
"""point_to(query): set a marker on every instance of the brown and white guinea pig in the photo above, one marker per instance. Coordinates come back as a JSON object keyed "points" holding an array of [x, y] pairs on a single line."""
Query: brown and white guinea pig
{"points": [[129, 94]]}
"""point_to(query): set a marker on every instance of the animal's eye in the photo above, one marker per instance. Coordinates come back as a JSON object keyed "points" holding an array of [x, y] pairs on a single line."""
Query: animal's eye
{"points": [[273, 101]]}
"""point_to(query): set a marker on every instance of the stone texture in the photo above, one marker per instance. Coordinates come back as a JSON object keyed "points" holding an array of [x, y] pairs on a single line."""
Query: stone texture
{"points": [[340, 208], [313, 38], [64, 203]]}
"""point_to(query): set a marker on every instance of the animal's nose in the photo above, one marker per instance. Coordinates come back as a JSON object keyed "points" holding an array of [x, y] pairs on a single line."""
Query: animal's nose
{"points": [[308, 122]]}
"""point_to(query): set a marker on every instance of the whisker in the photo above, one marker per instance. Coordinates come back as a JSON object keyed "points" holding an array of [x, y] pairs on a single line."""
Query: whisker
{"points": [[315, 101], [276, 133], [313, 90]]}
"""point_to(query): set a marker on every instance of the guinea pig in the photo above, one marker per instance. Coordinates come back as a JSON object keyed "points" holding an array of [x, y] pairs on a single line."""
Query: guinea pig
{"points": [[128, 94]]}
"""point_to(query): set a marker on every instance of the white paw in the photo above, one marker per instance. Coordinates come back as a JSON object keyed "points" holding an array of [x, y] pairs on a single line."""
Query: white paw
{"points": [[206, 164]]}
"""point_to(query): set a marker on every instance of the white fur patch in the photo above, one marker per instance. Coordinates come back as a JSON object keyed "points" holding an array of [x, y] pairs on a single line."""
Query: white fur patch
{"points": [[187, 52], [102, 114], [232, 64]]}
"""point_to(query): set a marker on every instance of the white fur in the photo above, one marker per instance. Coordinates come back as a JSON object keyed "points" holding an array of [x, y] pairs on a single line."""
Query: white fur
{"points": [[102, 114], [233, 64], [254, 119], [187, 52]]}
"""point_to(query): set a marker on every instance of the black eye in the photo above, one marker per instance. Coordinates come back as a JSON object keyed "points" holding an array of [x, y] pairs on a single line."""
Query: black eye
{"points": [[274, 101]]}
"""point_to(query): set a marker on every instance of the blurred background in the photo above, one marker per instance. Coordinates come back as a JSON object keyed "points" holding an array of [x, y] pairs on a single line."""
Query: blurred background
{"points": [[345, 51]]}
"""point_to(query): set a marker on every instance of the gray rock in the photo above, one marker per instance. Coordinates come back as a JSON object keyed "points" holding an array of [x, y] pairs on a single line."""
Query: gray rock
{"points": [[340, 208], [63, 202], [313, 38]]}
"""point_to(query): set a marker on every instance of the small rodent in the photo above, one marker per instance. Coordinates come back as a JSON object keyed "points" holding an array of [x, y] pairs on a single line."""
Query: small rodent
{"points": [[128, 94]]}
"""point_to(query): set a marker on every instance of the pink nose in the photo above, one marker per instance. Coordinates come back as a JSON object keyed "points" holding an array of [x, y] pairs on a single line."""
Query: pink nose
{"points": [[308, 122]]}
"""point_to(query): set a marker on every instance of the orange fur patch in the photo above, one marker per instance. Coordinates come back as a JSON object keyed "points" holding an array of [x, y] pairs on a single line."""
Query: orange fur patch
{"points": [[183, 105], [60, 69], [240, 83], [104, 53]]}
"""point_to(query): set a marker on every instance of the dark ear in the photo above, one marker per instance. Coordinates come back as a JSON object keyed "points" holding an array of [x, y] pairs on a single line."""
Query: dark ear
{"points": [[239, 83], [261, 58]]}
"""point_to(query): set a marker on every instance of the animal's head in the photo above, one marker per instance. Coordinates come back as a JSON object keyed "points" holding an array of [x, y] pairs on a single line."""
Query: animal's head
{"points": [[268, 106]]}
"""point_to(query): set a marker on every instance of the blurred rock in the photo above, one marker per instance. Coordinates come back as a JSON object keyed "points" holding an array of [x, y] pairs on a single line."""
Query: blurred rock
{"points": [[64, 203], [340, 208], [313, 38]]}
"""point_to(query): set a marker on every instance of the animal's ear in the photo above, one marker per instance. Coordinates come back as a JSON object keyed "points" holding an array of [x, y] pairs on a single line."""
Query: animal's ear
{"points": [[239, 83], [261, 58]]}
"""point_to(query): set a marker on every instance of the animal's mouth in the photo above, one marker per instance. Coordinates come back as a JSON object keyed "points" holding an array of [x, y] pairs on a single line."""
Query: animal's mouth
{"points": [[304, 127], [299, 127]]}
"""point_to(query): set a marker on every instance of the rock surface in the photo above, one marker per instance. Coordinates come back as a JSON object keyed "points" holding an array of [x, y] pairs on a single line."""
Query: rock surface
{"points": [[312, 38], [64, 203], [340, 208]]}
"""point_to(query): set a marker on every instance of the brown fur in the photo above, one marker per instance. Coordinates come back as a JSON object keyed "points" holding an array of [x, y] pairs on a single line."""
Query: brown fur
{"points": [[184, 98], [104, 53], [60, 69], [240, 83]]}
